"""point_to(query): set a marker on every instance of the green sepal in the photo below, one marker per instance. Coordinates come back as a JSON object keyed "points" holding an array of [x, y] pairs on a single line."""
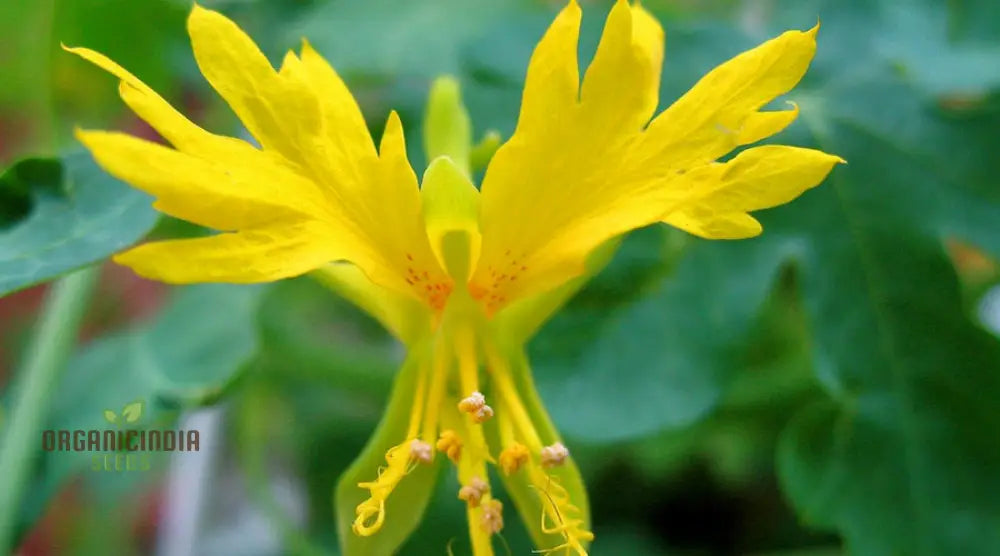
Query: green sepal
{"points": [[527, 499], [405, 506]]}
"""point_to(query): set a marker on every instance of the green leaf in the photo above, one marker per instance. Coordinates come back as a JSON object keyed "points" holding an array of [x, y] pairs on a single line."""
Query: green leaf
{"points": [[133, 411], [188, 356], [668, 356], [94, 216], [110, 416], [941, 50], [22, 181], [422, 39], [897, 459], [405, 506]]}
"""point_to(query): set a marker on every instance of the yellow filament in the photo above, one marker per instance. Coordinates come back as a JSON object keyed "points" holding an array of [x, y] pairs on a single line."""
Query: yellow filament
{"points": [[439, 376], [512, 401], [467, 362], [472, 470], [506, 427], [480, 536], [418, 404]]}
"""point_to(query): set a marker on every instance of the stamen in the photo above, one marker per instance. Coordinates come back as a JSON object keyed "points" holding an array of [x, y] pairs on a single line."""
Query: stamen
{"points": [[484, 414], [450, 444], [468, 366], [511, 400], [513, 457], [473, 492], [475, 405], [421, 451], [474, 402], [492, 519], [554, 455], [436, 392]]}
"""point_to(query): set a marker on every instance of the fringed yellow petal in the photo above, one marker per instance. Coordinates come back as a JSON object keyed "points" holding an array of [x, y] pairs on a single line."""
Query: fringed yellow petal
{"points": [[259, 255], [317, 158], [204, 192], [388, 210], [370, 514], [451, 211], [761, 125], [555, 190], [345, 125], [181, 132], [621, 86], [552, 85], [648, 38], [720, 195], [576, 175], [151, 107], [281, 112], [721, 111]]}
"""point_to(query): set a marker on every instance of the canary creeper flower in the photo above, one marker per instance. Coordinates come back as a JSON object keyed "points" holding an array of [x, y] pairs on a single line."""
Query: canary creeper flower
{"points": [[462, 275]]}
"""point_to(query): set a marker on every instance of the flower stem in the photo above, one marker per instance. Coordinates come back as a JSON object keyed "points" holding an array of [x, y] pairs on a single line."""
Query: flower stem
{"points": [[53, 342]]}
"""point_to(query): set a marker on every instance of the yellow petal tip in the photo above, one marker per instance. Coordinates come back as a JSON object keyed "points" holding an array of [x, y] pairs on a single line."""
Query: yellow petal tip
{"points": [[199, 13], [393, 123], [84, 135], [125, 258], [307, 47]]}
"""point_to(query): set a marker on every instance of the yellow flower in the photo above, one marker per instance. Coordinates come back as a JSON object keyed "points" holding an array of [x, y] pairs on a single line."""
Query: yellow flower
{"points": [[462, 275]]}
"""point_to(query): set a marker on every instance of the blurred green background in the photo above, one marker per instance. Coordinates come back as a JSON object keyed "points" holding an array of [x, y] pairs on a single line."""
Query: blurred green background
{"points": [[830, 386]]}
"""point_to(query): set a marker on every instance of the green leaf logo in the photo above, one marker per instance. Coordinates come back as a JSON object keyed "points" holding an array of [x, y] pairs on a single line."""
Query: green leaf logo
{"points": [[110, 417], [133, 411]]}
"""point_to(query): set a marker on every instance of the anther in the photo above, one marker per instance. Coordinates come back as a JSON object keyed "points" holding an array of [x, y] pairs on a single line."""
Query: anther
{"points": [[473, 492], [450, 444], [482, 415], [554, 455], [513, 457], [493, 516], [421, 451], [473, 403]]}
